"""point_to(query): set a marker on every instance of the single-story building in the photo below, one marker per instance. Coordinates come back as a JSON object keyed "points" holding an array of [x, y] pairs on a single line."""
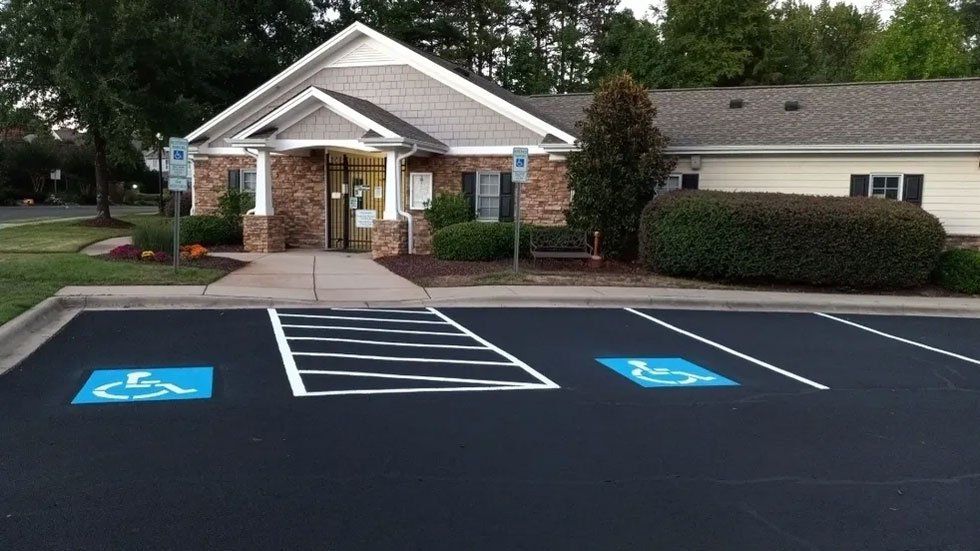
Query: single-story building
{"points": [[344, 148]]}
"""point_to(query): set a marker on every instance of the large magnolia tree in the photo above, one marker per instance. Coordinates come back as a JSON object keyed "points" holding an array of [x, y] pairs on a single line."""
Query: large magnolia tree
{"points": [[620, 162]]}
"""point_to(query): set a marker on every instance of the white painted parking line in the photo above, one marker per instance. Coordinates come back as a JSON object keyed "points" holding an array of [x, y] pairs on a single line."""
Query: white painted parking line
{"points": [[383, 310], [355, 318], [900, 339], [374, 330], [330, 356], [389, 343], [398, 358], [724, 348]]}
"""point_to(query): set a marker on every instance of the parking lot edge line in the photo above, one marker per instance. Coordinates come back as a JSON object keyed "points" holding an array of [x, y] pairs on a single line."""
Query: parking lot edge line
{"points": [[289, 363], [534, 373], [735, 353], [900, 339], [383, 310], [355, 318], [421, 390], [375, 330], [398, 358], [408, 377], [390, 343]]}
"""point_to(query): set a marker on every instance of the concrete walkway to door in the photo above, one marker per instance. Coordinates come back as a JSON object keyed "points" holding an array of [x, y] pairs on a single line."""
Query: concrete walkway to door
{"points": [[316, 275]]}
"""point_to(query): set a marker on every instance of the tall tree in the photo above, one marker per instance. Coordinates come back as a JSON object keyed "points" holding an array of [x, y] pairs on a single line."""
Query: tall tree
{"points": [[632, 45], [620, 162], [925, 39], [841, 34], [713, 42], [970, 13], [789, 55]]}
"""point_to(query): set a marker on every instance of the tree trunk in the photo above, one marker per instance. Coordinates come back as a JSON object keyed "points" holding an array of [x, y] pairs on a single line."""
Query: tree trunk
{"points": [[101, 178]]}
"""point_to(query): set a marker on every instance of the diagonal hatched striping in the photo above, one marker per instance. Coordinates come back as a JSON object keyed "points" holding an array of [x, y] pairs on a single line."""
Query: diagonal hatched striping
{"points": [[387, 351]]}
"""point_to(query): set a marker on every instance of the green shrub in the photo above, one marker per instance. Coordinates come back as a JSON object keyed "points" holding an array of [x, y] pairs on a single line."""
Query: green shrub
{"points": [[478, 241], [233, 204], [209, 230], [773, 237], [154, 237], [959, 270], [446, 210]]}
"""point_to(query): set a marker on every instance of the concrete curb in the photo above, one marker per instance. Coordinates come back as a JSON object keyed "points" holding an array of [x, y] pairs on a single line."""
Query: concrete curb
{"points": [[25, 333]]}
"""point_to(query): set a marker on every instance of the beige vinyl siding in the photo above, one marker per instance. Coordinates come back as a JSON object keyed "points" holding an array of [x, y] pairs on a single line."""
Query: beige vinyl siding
{"points": [[951, 191]]}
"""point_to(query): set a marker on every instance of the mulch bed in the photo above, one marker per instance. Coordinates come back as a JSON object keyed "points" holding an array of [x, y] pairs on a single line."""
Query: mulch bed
{"points": [[226, 248], [106, 223], [212, 262]]}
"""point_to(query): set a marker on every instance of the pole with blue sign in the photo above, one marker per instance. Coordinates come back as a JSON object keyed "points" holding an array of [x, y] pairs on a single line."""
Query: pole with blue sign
{"points": [[518, 175], [177, 183]]}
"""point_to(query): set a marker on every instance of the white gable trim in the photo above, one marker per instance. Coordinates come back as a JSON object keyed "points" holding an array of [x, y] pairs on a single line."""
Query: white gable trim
{"points": [[327, 101], [362, 54], [403, 55]]}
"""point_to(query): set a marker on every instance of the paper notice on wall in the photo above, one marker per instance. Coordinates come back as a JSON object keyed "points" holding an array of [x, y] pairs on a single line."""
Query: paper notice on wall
{"points": [[379, 192], [364, 218]]}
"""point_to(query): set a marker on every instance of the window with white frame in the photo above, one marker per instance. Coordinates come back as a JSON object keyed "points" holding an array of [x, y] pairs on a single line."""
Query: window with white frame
{"points": [[248, 181], [672, 183], [488, 195], [886, 186], [419, 190]]}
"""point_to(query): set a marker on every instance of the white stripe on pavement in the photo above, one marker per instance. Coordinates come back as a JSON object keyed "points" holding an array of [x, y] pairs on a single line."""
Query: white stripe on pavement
{"points": [[388, 311], [398, 358], [421, 390], [389, 343], [358, 318], [375, 330], [292, 374], [900, 339], [736, 353], [410, 377]]}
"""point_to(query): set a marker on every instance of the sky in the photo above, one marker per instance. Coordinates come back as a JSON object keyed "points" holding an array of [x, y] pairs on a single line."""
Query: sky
{"points": [[640, 6]]}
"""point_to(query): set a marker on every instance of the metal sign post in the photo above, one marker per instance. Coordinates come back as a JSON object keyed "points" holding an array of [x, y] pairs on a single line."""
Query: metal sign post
{"points": [[177, 183], [518, 176]]}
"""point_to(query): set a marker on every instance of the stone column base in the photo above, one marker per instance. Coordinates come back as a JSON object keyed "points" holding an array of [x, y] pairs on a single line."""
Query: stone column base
{"points": [[389, 238], [264, 234]]}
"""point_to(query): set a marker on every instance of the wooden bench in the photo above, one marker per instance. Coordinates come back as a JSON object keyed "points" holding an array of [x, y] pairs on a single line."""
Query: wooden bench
{"points": [[560, 243]]}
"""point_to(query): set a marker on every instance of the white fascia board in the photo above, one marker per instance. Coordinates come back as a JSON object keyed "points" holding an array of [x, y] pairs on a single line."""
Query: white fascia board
{"points": [[286, 145], [338, 38], [493, 150], [403, 142], [325, 100], [464, 86], [830, 148], [218, 151]]}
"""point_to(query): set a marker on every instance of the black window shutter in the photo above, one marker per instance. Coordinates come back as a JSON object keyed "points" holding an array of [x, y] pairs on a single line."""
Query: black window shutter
{"points": [[506, 198], [859, 185], [234, 180], [469, 189], [690, 181], [912, 190]]}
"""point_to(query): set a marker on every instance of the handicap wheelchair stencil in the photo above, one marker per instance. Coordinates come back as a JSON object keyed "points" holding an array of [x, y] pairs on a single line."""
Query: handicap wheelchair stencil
{"points": [[664, 372], [146, 385]]}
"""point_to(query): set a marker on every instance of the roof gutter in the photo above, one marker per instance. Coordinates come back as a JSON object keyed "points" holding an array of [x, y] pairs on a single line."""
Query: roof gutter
{"points": [[828, 148], [399, 141]]}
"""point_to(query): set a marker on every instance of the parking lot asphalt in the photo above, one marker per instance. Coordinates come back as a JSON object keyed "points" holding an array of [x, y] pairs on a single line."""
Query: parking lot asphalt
{"points": [[458, 428]]}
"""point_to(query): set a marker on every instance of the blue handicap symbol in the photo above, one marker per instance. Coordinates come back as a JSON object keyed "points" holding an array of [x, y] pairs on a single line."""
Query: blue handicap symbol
{"points": [[178, 155], [664, 372], [519, 162], [146, 385]]}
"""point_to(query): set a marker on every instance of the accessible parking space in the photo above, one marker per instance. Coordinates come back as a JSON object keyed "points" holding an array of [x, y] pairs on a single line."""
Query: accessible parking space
{"points": [[486, 429], [845, 356]]}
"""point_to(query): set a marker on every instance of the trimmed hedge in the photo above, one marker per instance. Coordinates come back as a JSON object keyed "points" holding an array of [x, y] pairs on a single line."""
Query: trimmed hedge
{"points": [[209, 230], [478, 241], [959, 270], [775, 237], [446, 210]]}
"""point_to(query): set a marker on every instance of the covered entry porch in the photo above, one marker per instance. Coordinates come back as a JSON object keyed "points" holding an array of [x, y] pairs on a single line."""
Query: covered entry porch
{"points": [[332, 175]]}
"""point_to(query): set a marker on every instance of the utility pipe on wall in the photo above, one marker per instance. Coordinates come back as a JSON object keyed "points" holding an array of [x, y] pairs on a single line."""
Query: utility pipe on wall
{"points": [[398, 199]]}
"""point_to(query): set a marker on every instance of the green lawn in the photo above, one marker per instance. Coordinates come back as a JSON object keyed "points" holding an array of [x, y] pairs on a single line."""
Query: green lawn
{"points": [[26, 279], [61, 237]]}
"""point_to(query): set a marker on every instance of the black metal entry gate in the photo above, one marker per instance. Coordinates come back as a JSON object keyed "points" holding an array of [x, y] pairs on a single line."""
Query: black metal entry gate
{"points": [[355, 187]]}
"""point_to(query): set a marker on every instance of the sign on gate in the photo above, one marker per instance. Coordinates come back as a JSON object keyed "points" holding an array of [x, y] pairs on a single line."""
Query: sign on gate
{"points": [[664, 372], [364, 218]]}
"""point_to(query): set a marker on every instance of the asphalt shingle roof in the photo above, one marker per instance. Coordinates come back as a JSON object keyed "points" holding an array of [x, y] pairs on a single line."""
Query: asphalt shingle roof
{"points": [[911, 112]]}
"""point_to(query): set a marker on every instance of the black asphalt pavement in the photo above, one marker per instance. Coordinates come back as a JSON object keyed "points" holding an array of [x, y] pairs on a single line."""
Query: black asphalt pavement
{"points": [[418, 429]]}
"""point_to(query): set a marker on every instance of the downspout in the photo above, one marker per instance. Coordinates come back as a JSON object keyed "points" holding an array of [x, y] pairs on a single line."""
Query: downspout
{"points": [[398, 191]]}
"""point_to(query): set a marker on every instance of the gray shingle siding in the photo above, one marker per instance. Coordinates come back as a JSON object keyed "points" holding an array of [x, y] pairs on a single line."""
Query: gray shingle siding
{"points": [[914, 112], [320, 123], [419, 100]]}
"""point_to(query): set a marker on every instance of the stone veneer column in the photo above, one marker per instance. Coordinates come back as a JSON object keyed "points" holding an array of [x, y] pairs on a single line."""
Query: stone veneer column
{"points": [[264, 234], [389, 238]]}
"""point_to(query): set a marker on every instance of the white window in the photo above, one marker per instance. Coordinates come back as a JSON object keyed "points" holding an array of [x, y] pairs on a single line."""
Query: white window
{"points": [[248, 181], [419, 190], [672, 183], [488, 196], [886, 186]]}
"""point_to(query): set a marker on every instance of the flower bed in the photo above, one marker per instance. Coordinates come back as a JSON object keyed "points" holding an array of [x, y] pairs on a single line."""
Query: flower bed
{"points": [[132, 252]]}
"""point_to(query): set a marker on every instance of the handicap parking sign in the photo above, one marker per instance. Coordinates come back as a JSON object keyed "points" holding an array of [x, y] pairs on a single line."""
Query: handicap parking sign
{"points": [[664, 372], [146, 385]]}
